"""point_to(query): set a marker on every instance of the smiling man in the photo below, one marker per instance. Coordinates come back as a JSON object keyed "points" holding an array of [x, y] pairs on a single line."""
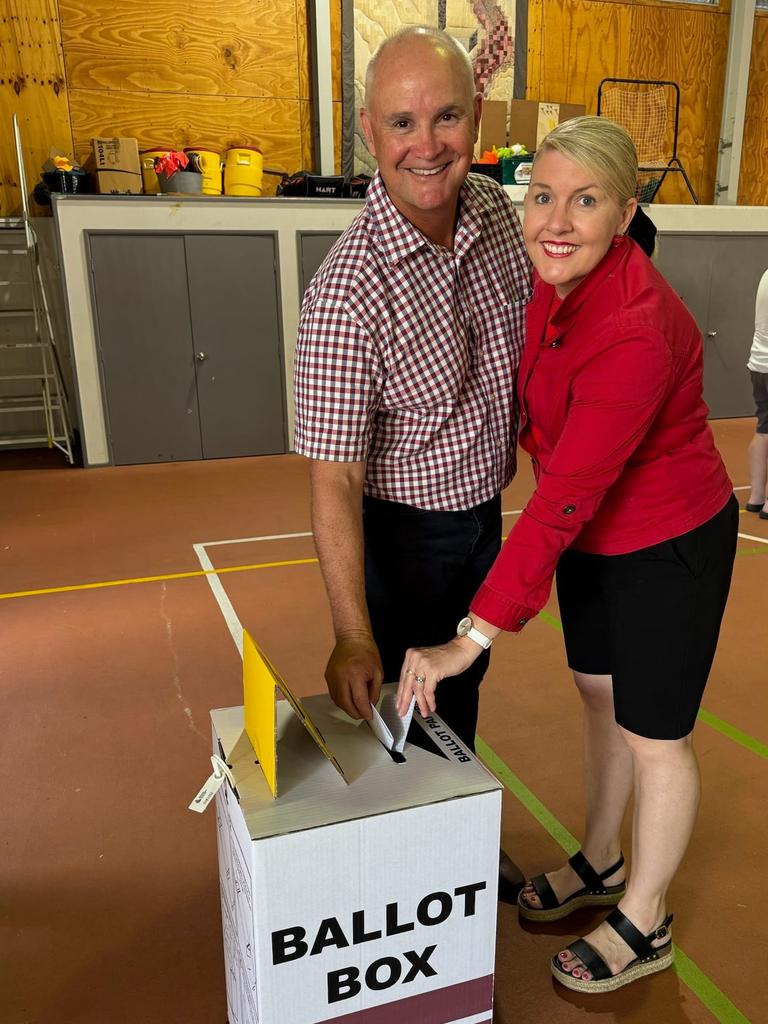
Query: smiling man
{"points": [[409, 340]]}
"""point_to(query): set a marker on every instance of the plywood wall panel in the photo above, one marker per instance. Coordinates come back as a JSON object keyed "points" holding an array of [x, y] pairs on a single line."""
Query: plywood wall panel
{"points": [[302, 51], [581, 41], [32, 86], [753, 181], [232, 47], [336, 49], [215, 122], [688, 47]]}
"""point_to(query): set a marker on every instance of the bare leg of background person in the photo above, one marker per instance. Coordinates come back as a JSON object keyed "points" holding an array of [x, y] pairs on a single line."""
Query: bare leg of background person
{"points": [[757, 459]]}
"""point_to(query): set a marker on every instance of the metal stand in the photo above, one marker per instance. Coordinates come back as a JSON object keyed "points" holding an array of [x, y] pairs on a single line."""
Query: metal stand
{"points": [[49, 397]]}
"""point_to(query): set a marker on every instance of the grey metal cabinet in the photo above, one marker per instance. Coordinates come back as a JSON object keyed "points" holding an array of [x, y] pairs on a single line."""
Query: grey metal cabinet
{"points": [[188, 333], [717, 278], [313, 247]]}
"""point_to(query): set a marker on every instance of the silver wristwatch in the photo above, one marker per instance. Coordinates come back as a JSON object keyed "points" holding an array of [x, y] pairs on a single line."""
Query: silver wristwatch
{"points": [[467, 628]]}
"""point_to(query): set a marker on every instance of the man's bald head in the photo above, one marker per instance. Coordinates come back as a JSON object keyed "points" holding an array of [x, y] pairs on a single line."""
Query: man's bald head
{"points": [[412, 39]]}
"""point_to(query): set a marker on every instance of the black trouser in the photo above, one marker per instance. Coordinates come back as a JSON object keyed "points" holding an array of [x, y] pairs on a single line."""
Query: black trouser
{"points": [[421, 571]]}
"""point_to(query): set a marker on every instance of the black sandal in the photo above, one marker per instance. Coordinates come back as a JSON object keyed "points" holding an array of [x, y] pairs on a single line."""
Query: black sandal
{"points": [[594, 893], [648, 959]]}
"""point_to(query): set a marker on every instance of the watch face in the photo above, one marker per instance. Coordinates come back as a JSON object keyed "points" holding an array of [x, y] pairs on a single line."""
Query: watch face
{"points": [[464, 626]]}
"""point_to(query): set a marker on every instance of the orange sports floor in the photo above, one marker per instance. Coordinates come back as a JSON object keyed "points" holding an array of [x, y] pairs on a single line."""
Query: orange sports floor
{"points": [[109, 905]]}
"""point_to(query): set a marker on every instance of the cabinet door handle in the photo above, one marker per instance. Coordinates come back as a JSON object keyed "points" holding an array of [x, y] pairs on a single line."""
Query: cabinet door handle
{"points": [[711, 334], [200, 357]]}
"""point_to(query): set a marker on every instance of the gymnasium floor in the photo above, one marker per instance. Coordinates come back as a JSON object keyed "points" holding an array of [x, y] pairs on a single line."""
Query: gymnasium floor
{"points": [[113, 647]]}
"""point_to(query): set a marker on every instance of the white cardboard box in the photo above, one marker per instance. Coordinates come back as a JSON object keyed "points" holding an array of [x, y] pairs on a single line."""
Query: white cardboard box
{"points": [[367, 903]]}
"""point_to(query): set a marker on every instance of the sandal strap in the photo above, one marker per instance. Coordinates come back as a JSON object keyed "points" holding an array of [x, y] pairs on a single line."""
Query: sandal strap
{"points": [[639, 944], [585, 871], [591, 879], [545, 892], [613, 868], [591, 959]]}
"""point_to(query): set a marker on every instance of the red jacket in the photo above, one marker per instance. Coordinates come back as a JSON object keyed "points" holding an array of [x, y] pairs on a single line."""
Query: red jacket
{"points": [[612, 415]]}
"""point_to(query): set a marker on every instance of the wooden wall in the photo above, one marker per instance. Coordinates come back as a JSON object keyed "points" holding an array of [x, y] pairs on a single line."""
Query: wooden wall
{"points": [[753, 181], [186, 72], [32, 86], [572, 44], [177, 73]]}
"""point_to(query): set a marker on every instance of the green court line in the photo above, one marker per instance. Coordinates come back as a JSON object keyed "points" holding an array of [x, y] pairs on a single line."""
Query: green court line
{"points": [[705, 990], [551, 620], [761, 749], [717, 1002], [531, 803], [728, 730]]}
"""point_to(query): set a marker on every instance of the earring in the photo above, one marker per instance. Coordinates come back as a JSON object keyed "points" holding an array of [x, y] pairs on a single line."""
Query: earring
{"points": [[617, 240]]}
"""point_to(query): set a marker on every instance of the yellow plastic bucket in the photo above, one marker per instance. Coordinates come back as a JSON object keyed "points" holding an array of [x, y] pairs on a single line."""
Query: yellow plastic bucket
{"points": [[243, 171], [211, 166], [148, 176]]}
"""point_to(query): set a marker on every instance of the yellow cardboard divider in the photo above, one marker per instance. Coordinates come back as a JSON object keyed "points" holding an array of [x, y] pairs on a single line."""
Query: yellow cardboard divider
{"points": [[261, 683]]}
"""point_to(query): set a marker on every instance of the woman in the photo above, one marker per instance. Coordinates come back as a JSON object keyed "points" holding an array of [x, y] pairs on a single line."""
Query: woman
{"points": [[635, 512]]}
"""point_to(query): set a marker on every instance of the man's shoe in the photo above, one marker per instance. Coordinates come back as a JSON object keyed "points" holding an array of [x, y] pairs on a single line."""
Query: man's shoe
{"points": [[511, 879]]}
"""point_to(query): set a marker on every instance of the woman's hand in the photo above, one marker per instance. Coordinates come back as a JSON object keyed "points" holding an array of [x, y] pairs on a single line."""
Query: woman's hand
{"points": [[424, 667]]}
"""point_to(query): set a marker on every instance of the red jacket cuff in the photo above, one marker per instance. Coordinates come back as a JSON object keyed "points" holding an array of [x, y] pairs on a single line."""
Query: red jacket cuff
{"points": [[495, 607]]}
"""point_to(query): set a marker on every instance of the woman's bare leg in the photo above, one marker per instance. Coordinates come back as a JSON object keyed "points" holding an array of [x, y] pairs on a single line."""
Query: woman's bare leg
{"points": [[608, 784]]}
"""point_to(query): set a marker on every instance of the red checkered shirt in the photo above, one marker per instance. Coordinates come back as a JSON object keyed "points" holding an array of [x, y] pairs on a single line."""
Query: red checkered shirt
{"points": [[407, 352]]}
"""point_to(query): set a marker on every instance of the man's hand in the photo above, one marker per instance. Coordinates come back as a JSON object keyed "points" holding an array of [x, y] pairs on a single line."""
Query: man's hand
{"points": [[354, 675]]}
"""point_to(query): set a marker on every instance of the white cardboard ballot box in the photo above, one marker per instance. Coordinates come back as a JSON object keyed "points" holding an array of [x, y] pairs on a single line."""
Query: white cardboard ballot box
{"points": [[366, 902]]}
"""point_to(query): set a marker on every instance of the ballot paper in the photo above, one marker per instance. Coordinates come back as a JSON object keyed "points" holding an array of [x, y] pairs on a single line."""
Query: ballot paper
{"points": [[388, 727]]}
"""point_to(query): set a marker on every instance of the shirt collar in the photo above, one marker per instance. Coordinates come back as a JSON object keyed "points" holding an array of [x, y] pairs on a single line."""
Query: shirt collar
{"points": [[398, 238]]}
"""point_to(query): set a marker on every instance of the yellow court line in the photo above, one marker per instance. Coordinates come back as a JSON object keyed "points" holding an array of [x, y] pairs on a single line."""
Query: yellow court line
{"points": [[157, 579], [189, 575]]}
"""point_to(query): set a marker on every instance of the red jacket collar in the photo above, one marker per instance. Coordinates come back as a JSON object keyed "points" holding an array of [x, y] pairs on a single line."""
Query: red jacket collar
{"points": [[538, 311]]}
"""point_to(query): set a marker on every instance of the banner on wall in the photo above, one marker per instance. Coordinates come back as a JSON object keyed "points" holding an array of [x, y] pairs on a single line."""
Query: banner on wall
{"points": [[493, 31]]}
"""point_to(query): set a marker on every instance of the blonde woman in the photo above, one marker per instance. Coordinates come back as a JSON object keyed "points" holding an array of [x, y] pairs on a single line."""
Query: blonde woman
{"points": [[635, 513]]}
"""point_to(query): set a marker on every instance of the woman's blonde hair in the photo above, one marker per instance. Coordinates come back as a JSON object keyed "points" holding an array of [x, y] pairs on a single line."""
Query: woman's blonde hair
{"points": [[601, 146]]}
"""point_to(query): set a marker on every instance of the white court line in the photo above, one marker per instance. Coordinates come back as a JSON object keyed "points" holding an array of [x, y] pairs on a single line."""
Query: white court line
{"points": [[748, 536], [477, 1018], [227, 609], [308, 533], [247, 540], [234, 625]]}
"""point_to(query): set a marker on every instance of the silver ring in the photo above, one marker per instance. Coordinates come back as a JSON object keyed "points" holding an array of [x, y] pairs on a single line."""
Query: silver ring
{"points": [[420, 680]]}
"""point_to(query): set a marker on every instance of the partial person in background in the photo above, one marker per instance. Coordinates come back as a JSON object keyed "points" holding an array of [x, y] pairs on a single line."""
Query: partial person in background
{"points": [[757, 453], [408, 346], [635, 513], [643, 231]]}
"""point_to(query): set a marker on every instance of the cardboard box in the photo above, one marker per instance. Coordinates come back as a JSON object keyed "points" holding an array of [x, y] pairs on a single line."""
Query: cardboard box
{"points": [[531, 120], [367, 903], [114, 166], [493, 125]]}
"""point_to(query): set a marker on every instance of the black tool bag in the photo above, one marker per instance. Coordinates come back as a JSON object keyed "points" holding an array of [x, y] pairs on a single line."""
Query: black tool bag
{"points": [[304, 184]]}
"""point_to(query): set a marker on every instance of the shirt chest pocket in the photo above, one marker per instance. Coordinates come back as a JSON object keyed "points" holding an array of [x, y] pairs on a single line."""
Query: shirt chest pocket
{"points": [[499, 331], [428, 371]]}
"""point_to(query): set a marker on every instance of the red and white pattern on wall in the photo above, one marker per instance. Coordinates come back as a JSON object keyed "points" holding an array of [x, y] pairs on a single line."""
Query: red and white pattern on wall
{"points": [[485, 27]]}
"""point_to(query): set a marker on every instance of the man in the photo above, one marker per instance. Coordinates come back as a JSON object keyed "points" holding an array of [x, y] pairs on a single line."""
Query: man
{"points": [[409, 339]]}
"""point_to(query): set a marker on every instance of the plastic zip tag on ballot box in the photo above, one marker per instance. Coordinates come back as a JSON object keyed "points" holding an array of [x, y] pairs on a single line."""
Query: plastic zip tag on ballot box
{"points": [[212, 784]]}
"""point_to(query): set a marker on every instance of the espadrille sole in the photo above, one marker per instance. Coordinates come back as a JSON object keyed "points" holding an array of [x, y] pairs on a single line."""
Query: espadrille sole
{"points": [[629, 974], [610, 898]]}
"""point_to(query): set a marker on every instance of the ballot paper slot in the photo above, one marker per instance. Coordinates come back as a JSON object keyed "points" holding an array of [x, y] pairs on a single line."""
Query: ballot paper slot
{"points": [[395, 755]]}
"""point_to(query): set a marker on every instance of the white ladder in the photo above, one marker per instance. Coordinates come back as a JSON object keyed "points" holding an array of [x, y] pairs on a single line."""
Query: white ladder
{"points": [[46, 392]]}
